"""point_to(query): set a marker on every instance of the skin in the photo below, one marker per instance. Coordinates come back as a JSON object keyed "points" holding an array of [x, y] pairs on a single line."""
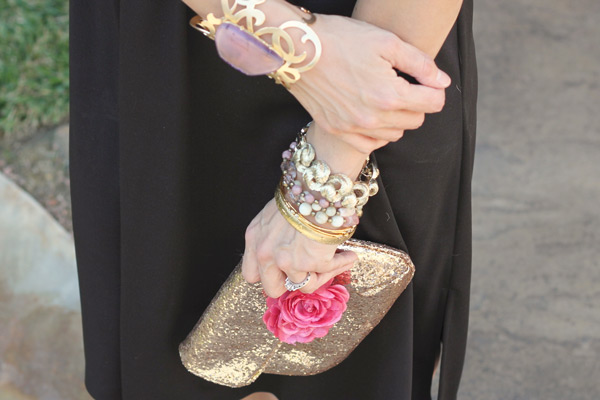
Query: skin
{"points": [[260, 396], [424, 24], [356, 110], [364, 104]]}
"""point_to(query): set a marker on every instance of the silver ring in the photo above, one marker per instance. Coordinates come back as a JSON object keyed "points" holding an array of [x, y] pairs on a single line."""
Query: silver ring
{"points": [[292, 287]]}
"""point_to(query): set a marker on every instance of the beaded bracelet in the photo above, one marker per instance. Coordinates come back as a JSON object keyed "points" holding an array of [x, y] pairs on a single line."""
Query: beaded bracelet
{"points": [[305, 179], [307, 228]]}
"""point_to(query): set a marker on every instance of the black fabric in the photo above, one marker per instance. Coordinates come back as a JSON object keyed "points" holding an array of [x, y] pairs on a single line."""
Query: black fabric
{"points": [[173, 153]]}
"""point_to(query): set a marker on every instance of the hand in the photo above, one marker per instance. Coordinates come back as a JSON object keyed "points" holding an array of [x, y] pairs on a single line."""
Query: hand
{"points": [[354, 92], [274, 250]]}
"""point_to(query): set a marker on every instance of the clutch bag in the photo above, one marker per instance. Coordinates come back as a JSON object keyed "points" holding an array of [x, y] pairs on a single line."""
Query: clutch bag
{"points": [[230, 345]]}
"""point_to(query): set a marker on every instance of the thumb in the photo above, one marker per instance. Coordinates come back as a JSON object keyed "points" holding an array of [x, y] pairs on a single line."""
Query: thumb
{"points": [[419, 65], [322, 278], [343, 259]]}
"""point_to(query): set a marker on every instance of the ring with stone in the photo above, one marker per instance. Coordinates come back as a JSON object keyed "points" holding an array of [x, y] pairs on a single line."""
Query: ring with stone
{"points": [[292, 286]]}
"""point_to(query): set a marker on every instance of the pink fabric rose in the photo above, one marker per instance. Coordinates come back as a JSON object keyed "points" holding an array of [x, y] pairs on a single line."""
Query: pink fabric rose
{"points": [[302, 317]]}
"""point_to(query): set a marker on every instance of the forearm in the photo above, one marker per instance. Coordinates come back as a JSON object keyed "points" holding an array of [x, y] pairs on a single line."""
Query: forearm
{"points": [[276, 11], [341, 157], [425, 23]]}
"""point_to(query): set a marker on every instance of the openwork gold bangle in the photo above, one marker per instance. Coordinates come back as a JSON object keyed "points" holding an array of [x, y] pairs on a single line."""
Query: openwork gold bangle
{"points": [[244, 14], [307, 228]]}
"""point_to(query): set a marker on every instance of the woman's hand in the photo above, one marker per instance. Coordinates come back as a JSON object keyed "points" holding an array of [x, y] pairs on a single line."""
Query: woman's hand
{"points": [[354, 92], [274, 250]]}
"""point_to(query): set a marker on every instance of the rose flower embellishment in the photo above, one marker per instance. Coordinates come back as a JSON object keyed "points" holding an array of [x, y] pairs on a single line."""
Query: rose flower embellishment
{"points": [[302, 317]]}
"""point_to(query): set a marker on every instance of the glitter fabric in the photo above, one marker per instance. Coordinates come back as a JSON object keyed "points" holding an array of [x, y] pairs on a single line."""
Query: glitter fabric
{"points": [[230, 345]]}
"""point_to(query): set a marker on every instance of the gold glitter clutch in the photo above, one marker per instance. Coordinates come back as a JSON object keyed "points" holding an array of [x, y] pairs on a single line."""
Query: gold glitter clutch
{"points": [[230, 345]]}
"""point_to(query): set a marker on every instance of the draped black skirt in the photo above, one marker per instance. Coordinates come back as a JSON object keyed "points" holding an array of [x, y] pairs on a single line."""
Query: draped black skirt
{"points": [[173, 153]]}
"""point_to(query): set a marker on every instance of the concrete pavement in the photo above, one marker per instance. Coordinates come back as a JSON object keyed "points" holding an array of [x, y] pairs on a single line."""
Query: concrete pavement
{"points": [[535, 319]]}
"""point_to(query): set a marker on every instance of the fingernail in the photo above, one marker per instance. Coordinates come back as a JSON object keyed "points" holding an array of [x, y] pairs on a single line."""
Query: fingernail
{"points": [[443, 78]]}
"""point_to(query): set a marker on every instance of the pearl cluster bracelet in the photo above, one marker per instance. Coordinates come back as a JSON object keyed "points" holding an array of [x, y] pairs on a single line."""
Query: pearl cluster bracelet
{"points": [[305, 179], [323, 211], [307, 228]]}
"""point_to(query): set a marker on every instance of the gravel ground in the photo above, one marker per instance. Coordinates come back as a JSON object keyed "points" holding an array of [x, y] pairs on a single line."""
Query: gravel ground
{"points": [[39, 163]]}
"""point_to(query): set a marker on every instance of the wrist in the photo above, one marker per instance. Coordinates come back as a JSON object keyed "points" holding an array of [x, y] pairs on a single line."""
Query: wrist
{"points": [[320, 203], [263, 38], [278, 12], [337, 153]]}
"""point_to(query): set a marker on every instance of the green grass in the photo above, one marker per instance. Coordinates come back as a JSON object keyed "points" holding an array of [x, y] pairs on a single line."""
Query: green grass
{"points": [[34, 64]]}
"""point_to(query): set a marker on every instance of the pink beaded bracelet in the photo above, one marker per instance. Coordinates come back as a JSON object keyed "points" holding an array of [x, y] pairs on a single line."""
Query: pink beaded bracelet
{"points": [[330, 199]]}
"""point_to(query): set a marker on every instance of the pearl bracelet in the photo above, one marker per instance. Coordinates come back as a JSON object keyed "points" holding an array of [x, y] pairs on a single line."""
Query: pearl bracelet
{"points": [[307, 228], [305, 179]]}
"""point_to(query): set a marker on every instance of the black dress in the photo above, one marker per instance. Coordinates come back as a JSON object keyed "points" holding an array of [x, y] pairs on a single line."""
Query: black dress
{"points": [[173, 153]]}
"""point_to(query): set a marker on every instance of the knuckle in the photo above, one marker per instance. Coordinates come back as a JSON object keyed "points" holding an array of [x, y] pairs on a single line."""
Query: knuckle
{"points": [[283, 260], [419, 119], [439, 101], [249, 276], [434, 103], [367, 145], [427, 66], [390, 42], [264, 254], [365, 120], [311, 287], [249, 234], [378, 144], [274, 292], [402, 87], [398, 135], [386, 102], [308, 290]]}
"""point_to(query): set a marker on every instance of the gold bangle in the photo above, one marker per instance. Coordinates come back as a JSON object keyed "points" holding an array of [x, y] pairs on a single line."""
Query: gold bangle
{"points": [[249, 17], [307, 228], [325, 231]]}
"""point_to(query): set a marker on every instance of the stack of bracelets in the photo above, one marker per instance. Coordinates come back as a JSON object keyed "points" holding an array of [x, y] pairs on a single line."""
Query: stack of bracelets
{"points": [[323, 206], [309, 191]]}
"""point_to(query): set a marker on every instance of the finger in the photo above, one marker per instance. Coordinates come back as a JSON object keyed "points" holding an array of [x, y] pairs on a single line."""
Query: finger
{"points": [[386, 134], [394, 124], [338, 261], [363, 143], [297, 276], [273, 279], [321, 279], [285, 262], [417, 98], [403, 120], [250, 267], [417, 64]]}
